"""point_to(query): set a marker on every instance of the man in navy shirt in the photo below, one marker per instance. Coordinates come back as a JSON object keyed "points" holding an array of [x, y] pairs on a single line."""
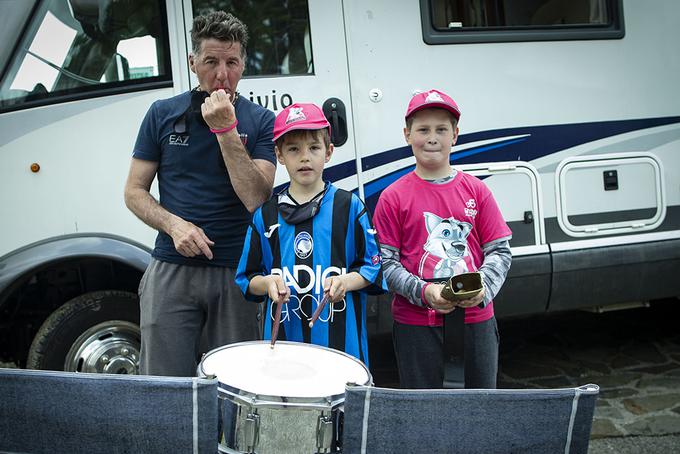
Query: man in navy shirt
{"points": [[213, 155]]}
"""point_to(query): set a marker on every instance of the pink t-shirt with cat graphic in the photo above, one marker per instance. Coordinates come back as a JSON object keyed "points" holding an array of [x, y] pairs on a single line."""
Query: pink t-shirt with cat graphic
{"points": [[439, 230]]}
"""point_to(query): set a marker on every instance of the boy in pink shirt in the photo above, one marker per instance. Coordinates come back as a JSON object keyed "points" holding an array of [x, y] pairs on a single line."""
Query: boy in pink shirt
{"points": [[434, 223]]}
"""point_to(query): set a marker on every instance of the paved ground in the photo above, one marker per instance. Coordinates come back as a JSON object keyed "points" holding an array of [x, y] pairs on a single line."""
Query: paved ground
{"points": [[658, 444], [633, 355]]}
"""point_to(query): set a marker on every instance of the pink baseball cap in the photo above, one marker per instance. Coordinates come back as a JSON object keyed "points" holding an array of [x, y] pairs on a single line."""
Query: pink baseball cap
{"points": [[300, 116], [432, 98]]}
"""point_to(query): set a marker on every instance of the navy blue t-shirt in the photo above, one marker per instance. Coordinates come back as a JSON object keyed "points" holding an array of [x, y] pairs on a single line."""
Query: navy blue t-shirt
{"points": [[193, 180]]}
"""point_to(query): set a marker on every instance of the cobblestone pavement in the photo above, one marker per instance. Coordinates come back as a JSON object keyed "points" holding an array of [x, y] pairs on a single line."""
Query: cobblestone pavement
{"points": [[633, 355]]}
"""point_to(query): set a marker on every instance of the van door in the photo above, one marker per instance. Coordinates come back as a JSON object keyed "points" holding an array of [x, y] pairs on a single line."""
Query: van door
{"points": [[296, 53], [516, 186]]}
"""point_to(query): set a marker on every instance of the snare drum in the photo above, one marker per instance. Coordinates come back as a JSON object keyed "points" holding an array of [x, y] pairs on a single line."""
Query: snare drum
{"points": [[281, 400]]}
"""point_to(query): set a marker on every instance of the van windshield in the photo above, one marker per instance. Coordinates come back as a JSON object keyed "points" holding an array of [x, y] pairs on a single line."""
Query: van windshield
{"points": [[62, 47]]}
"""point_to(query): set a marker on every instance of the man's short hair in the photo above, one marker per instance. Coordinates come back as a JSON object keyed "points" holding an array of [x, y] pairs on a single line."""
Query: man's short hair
{"points": [[221, 26], [321, 135]]}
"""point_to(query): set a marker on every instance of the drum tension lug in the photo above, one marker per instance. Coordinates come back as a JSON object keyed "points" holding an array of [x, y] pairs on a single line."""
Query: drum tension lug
{"points": [[252, 431], [324, 433]]}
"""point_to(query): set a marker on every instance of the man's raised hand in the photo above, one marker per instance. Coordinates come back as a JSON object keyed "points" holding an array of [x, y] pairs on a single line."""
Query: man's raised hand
{"points": [[218, 110]]}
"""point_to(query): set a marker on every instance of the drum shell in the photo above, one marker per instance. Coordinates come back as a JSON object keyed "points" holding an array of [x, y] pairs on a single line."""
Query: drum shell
{"points": [[281, 430], [285, 424]]}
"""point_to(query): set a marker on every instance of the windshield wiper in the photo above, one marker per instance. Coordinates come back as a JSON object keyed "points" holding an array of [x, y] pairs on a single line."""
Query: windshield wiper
{"points": [[65, 72]]}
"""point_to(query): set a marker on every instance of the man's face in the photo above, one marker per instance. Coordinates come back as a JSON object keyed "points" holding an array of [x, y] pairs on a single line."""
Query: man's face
{"points": [[218, 65]]}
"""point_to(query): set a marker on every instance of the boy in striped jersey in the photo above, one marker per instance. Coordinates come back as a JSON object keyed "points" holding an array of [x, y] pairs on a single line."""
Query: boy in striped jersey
{"points": [[309, 241]]}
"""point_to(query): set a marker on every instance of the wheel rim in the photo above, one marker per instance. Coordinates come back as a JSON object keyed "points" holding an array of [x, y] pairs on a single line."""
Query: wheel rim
{"points": [[111, 347]]}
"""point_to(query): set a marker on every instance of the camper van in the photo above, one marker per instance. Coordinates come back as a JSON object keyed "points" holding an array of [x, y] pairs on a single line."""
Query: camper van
{"points": [[570, 114]]}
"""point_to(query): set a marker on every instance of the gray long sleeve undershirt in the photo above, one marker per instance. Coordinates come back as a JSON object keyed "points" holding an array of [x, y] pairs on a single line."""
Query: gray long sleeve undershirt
{"points": [[494, 269]]}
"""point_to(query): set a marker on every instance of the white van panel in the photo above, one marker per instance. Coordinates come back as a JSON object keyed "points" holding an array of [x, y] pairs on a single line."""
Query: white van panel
{"points": [[581, 190]]}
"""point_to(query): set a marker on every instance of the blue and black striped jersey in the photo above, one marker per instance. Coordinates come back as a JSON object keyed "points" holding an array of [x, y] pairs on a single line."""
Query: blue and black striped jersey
{"points": [[339, 239]]}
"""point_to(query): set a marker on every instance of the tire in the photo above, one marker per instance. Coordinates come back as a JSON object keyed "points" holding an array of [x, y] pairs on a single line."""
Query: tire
{"points": [[96, 332]]}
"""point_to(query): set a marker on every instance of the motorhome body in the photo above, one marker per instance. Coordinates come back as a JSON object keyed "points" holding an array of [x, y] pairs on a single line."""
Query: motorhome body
{"points": [[570, 112]]}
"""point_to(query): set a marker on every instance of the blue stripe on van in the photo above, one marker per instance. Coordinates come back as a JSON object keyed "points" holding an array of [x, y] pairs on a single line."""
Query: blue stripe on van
{"points": [[539, 141], [542, 141]]}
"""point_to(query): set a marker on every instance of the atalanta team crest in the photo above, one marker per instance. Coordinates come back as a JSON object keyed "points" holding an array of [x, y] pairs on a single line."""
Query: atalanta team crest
{"points": [[304, 245]]}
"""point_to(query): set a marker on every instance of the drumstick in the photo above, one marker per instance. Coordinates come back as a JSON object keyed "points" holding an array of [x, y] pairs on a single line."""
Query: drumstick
{"points": [[318, 310], [277, 321]]}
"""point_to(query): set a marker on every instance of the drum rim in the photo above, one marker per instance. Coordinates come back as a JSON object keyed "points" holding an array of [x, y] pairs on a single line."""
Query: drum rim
{"points": [[264, 400]]}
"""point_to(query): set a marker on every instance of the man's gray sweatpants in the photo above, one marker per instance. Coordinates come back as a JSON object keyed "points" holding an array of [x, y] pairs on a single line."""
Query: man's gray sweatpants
{"points": [[186, 311]]}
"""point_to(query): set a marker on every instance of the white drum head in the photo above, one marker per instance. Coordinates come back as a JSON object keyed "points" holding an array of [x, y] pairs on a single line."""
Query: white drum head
{"points": [[290, 369]]}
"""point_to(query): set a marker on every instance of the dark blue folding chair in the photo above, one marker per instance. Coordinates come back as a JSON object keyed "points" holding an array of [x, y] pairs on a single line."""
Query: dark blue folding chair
{"points": [[65, 412], [382, 420]]}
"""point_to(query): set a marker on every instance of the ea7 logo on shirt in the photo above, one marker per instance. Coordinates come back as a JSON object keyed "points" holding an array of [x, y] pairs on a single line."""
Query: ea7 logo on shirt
{"points": [[304, 245], [470, 210], [178, 140]]}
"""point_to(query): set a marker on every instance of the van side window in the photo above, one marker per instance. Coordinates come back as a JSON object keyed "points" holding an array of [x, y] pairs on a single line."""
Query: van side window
{"points": [[280, 40], [468, 21], [60, 50]]}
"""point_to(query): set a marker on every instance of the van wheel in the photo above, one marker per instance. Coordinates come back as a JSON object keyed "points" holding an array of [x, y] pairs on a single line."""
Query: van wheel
{"points": [[95, 332]]}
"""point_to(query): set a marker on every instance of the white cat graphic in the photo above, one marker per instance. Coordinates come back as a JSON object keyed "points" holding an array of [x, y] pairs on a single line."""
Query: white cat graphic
{"points": [[447, 239]]}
